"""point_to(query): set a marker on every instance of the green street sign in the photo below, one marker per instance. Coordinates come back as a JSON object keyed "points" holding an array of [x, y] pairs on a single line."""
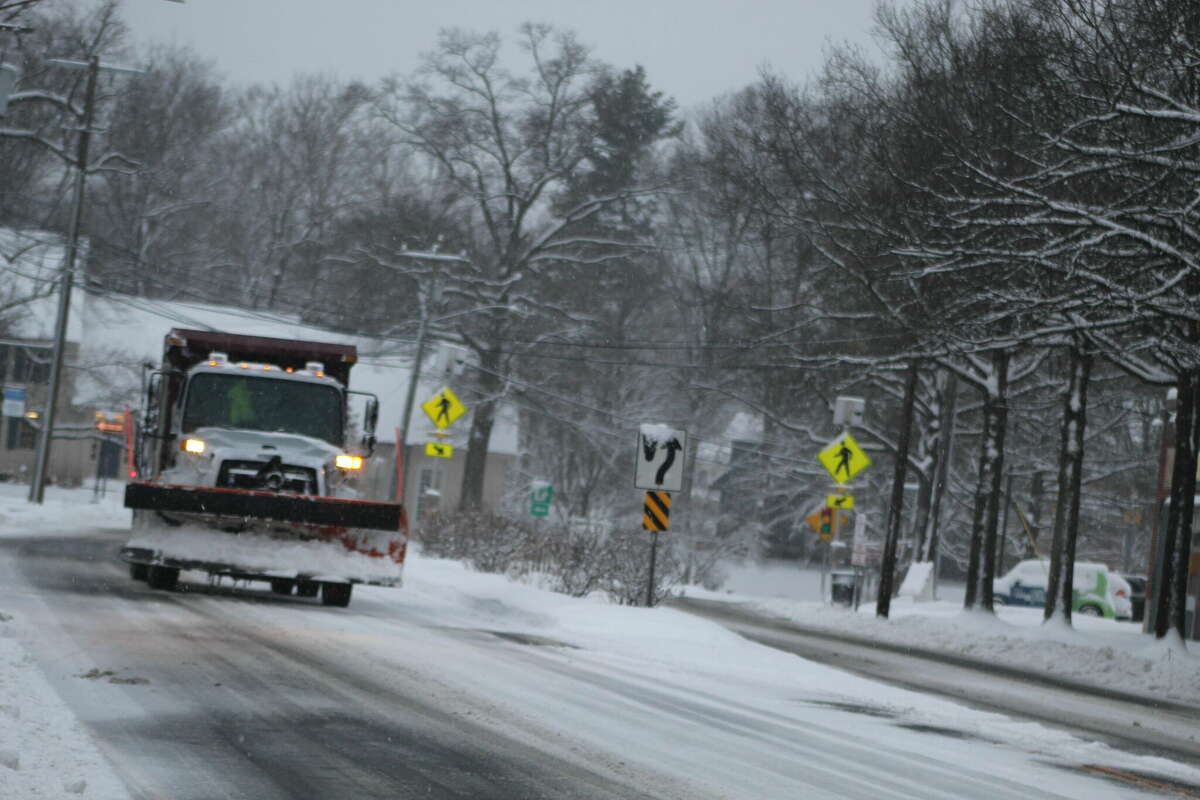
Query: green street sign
{"points": [[540, 499]]}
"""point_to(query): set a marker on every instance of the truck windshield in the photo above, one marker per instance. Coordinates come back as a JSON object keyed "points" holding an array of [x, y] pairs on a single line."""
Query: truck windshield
{"points": [[263, 404]]}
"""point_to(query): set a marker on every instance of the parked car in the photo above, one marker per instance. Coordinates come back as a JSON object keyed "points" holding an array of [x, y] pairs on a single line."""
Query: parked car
{"points": [[1137, 596], [1096, 589]]}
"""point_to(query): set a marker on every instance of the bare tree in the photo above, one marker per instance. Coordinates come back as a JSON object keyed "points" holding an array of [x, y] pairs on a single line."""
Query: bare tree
{"points": [[508, 144]]}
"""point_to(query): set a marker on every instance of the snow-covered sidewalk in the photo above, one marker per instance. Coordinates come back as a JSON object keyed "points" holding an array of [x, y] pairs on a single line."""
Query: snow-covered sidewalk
{"points": [[44, 751], [1098, 652]]}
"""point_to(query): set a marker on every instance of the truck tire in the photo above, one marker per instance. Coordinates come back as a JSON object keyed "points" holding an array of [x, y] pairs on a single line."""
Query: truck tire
{"points": [[307, 588], [282, 586], [336, 594], [162, 577], [139, 571], [1091, 610]]}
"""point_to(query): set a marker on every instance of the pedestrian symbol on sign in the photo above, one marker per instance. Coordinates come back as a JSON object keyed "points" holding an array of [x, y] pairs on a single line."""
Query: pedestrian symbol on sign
{"points": [[843, 458]]}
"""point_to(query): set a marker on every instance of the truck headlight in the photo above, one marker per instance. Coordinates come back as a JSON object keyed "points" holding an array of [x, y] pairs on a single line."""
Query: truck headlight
{"points": [[346, 461], [195, 446]]}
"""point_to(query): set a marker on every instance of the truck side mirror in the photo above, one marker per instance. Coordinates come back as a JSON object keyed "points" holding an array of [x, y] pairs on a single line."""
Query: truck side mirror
{"points": [[371, 417], [368, 443]]}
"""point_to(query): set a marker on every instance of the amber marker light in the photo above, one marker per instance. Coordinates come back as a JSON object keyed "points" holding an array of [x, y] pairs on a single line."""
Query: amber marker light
{"points": [[345, 461], [193, 446]]}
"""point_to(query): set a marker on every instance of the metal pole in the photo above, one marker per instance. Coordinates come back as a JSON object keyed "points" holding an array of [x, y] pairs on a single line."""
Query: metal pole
{"points": [[650, 583], [825, 559], [37, 487]]}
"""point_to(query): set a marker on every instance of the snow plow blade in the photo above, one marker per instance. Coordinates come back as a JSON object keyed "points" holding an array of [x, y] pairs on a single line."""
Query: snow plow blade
{"points": [[246, 503]]}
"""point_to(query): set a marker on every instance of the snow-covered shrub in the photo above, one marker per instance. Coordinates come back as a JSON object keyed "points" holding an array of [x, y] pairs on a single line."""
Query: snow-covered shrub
{"points": [[627, 571]]}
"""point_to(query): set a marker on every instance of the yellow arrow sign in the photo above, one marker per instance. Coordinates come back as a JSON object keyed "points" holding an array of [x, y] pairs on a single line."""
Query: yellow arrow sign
{"points": [[844, 458], [439, 450], [444, 407], [839, 500]]}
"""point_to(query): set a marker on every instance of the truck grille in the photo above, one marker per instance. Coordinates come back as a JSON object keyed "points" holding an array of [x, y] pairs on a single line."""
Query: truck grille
{"points": [[244, 475]]}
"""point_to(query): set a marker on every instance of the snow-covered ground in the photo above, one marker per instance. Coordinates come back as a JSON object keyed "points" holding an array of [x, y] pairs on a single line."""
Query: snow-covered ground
{"points": [[1100, 652], [44, 751], [779, 722]]}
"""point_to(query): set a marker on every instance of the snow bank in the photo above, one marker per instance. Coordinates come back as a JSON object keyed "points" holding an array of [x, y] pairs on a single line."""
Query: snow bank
{"points": [[1098, 652], [63, 510]]}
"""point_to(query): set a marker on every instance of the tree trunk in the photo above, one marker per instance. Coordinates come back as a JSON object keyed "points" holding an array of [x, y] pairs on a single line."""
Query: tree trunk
{"points": [[980, 507], [888, 567], [475, 468], [1183, 550], [1061, 584], [998, 430], [928, 448], [945, 453], [1183, 490], [1036, 491]]}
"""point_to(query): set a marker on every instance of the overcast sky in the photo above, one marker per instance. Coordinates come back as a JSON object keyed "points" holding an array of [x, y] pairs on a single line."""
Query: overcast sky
{"points": [[693, 50]]}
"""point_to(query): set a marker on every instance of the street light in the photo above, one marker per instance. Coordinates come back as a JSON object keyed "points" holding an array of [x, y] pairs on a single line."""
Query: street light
{"points": [[37, 487]]}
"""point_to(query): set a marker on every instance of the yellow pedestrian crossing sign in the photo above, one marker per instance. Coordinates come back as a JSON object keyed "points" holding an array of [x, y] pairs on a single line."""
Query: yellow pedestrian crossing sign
{"points": [[439, 450], [843, 458], [443, 408], [839, 500]]}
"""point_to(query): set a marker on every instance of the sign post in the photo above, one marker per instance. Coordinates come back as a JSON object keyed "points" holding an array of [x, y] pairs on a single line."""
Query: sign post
{"points": [[659, 459]]}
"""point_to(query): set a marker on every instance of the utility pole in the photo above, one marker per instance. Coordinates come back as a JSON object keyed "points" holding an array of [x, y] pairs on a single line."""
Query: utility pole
{"points": [[37, 487], [413, 380]]}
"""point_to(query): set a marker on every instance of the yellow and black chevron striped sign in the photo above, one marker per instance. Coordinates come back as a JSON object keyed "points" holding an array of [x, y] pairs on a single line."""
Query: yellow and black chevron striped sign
{"points": [[656, 513]]}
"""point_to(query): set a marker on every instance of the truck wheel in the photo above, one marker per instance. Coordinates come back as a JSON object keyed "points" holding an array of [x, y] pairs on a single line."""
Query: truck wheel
{"points": [[282, 586], [307, 588], [336, 594], [162, 577], [139, 571]]}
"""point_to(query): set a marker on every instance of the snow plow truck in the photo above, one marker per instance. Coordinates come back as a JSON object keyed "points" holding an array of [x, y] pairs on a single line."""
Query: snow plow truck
{"points": [[243, 469]]}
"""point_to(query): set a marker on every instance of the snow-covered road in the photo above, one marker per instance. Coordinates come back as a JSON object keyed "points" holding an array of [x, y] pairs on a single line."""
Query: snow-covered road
{"points": [[470, 686]]}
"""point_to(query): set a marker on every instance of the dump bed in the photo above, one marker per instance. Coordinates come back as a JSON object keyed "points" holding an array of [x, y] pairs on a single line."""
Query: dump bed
{"points": [[184, 348]]}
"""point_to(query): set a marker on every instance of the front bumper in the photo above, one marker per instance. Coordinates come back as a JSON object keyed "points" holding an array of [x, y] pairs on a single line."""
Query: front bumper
{"points": [[252, 504]]}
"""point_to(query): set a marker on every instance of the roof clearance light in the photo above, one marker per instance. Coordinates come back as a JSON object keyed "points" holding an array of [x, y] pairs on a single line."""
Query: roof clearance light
{"points": [[244, 365], [266, 367], [314, 366], [193, 446], [291, 369], [218, 359], [345, 461]]}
